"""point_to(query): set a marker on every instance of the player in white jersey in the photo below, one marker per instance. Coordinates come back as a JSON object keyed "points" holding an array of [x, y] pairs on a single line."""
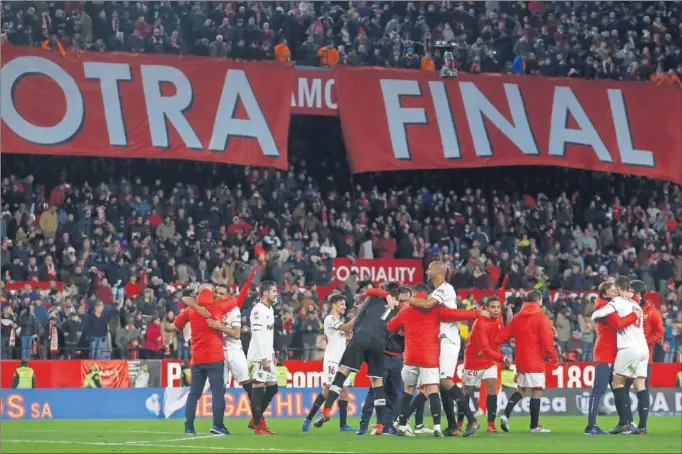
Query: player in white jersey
{"points": [[261, 356], [632, 357], [335, 330], [450, 343], [231, 327]]}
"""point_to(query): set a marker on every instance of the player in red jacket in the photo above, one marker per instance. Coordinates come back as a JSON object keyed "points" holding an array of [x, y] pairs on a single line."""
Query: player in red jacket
{"points": [[207, 358], [482, 356], [605, 349], [654, 330], [534, 336], [421, 356]]}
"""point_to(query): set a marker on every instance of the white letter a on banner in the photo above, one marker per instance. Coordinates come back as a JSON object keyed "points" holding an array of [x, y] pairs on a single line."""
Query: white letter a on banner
{"points": [[237, 87]]}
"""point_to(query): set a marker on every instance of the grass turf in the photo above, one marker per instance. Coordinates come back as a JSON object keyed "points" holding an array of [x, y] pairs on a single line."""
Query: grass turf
{"points": [[167, 436]]}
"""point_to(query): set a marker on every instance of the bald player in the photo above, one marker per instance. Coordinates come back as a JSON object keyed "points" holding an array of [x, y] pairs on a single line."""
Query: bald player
{"points": [[450, 344]]}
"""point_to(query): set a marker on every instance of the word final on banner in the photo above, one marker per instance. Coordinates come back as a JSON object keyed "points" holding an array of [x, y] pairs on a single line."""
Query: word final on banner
{"points": [[145, 106], [395, 119]]}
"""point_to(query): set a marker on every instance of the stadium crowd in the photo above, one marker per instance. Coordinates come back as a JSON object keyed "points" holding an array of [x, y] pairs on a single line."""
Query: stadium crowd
{"points": [[124, 236], [602, 40]]}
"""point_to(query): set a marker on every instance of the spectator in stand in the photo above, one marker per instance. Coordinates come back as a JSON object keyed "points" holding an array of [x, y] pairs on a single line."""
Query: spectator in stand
{"points": [[586, 328], [95, 330], [8, 332], [128, 340], [72, 330], [310, 329], [29, 330], [154, 341], [170, 334]]}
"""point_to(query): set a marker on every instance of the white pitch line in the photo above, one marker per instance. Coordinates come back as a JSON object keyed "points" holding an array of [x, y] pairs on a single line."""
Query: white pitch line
{"points": [[152, 432], [161, 445], [221, 448], [185, 438]]}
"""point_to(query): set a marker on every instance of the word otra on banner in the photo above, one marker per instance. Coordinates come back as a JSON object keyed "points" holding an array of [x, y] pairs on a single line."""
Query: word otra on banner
{"points": [[300, 374], [207, 109], [145, 106]]}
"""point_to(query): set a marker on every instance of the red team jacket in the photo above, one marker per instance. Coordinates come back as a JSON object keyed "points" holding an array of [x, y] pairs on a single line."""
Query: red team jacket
{"points": [[207, 343], [421, 328], [654, 330], [534, 337], [481, 351], [606, 345]]}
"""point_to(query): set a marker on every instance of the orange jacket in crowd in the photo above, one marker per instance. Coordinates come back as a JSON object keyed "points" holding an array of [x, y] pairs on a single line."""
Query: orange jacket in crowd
{"points": [[428, 64], [57, 45], [329, 56], [532, 331], [669, 78], [282, 52]]}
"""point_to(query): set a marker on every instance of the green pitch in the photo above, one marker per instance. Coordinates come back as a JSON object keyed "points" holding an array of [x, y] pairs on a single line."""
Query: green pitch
{"points": [[167, 436]]}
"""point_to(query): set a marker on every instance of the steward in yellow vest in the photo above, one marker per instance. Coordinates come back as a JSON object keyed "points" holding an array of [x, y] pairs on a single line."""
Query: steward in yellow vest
{"points": [[24, 377], [92, 379]]}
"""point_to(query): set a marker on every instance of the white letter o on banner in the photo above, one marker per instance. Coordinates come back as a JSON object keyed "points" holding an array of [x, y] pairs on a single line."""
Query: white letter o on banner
{"points": [[342, 273], [42, 135]]}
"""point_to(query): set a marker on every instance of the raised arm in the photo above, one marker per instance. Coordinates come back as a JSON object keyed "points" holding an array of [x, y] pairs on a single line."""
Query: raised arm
{"points": [[244, 292]]}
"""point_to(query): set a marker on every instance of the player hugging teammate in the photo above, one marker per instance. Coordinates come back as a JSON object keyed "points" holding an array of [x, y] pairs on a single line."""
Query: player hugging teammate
{"points": [[632, 358]]}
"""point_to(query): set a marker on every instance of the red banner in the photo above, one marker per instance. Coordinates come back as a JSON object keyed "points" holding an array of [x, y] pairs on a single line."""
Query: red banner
{"points": [[113, 373], [145, 106], [313, 92], [405, 271], [302, 374], [416, 120]]}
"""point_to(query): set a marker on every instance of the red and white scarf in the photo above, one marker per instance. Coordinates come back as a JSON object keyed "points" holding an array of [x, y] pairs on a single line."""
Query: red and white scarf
{"points": [[13, 337], [54, 337]]}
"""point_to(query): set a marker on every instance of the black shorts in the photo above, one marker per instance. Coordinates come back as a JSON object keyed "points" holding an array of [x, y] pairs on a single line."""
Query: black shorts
{"points": [[366, 350]]}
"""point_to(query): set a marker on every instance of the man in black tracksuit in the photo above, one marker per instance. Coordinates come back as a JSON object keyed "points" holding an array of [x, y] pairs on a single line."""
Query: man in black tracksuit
{"points": [[367, 345], [393, 381]]}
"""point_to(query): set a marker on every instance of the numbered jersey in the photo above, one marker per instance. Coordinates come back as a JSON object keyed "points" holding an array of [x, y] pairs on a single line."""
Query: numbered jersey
{"points": [[262, 345], [232, 319], [633, 335], [445, 294], [336, 340]]}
